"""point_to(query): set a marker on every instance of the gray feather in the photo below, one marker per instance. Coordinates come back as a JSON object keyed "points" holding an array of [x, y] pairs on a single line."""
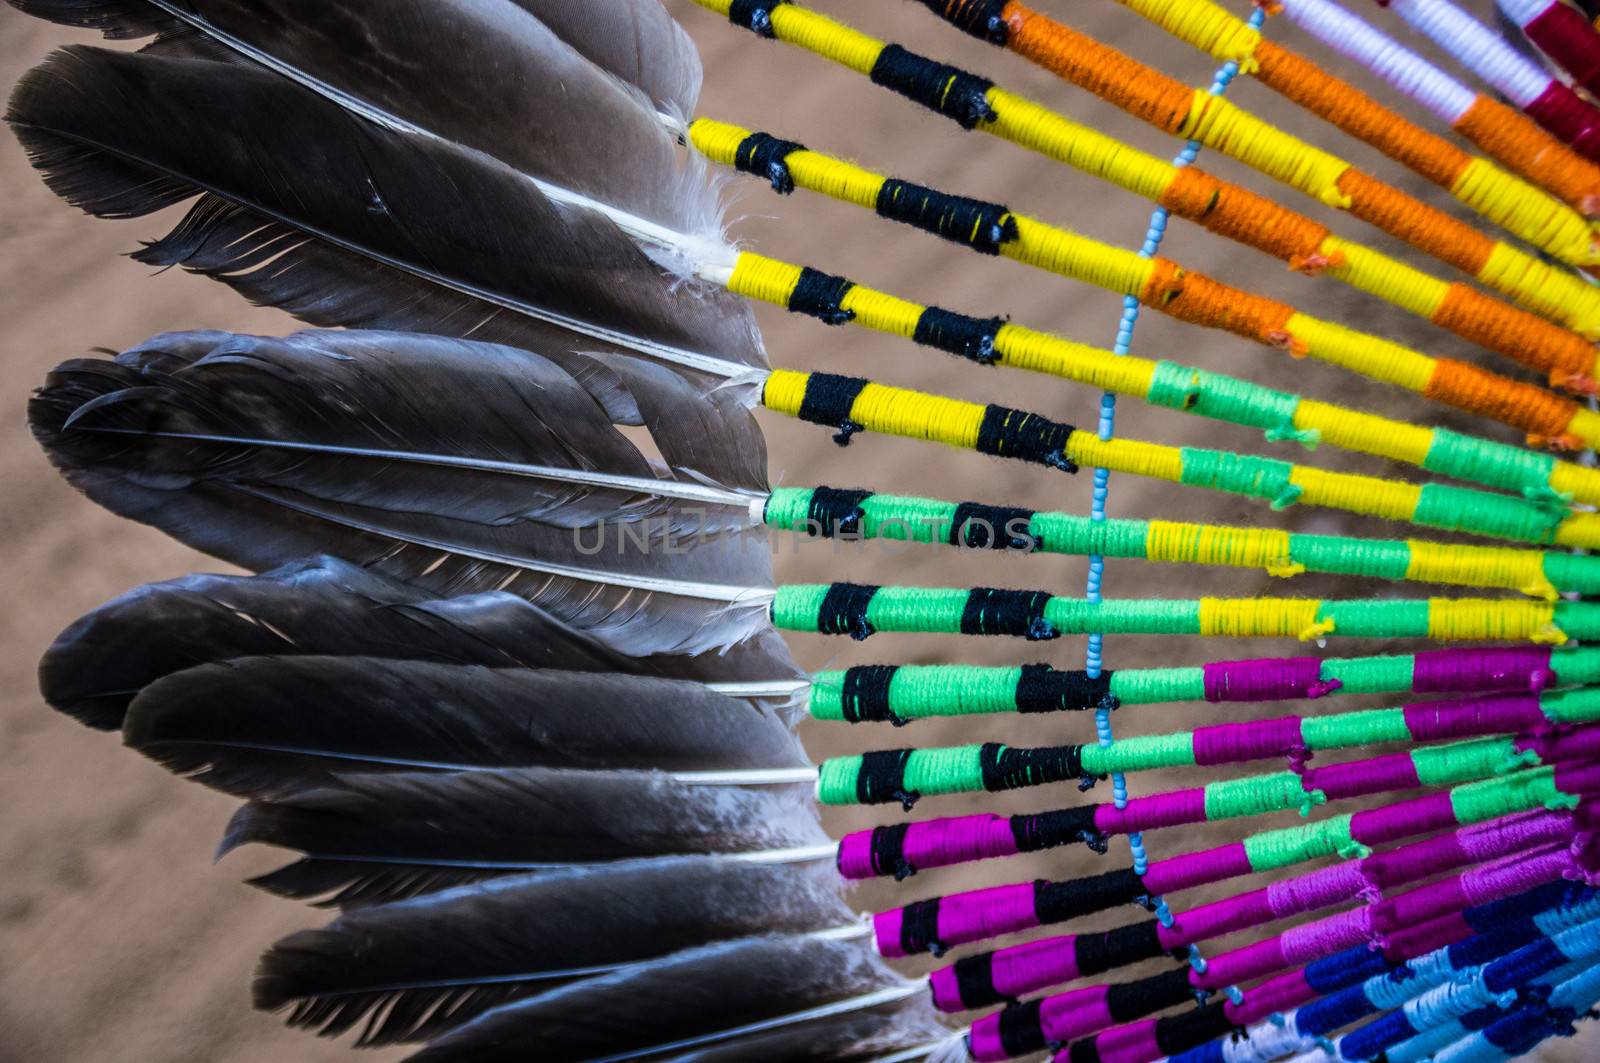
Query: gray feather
{"points": [[260, 726]]}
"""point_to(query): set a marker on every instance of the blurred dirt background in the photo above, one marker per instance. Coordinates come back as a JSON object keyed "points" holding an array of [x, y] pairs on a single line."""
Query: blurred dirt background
{"points": [[118, 939]]}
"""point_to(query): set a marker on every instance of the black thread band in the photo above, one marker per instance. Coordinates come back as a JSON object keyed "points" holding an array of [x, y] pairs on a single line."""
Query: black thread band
{"points": [[1191, 1029], [766, 156], [888, 850], [754, 15], [983, 527], [844, 610], [1057, 902], [949, 90], [966, 337], [1043, 689], [1130, 944], [1008, 433], [980, 18], [828, 401], [974, 977], [819, 294], [1004, 767], [975, 223], [999, 612], [919, 928], [864, 694], [835, 511], [1021, 1031], [1127, 1001], [1062, 826], [882, 778]]}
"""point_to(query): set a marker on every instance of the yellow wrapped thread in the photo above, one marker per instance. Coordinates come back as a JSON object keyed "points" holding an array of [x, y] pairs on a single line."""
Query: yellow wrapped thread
{"points": [[1059, 251], [1266, 548], [1367, 355], [1387, 278], [758, 277], [1552, 292], [1126, 455], [1519, 207], [1260, 617], [1480, 566], [1454, 619], [1206, 26], [1217, 123], [912, 414], [1364, 432], [1023, 348], [1389, 499], [1026, 123]]}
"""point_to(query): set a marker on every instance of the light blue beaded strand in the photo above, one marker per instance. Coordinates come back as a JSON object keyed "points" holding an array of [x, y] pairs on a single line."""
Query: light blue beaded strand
{"points": [[1093, 662]]}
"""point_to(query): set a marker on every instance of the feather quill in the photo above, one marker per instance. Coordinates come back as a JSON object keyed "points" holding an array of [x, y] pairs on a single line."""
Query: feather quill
{"points": [[326, 607], [378, 838], [258, 726], [410, 969], [456, 466]]}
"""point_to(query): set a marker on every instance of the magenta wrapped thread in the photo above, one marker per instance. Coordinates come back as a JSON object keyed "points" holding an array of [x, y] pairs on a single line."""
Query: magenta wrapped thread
{"points": [[983, 1040], [1176, 809], [1266, 679], [1361, 777], [1014, 971], [1570, 117], [965, 917], [1461, 671], [1566, 36], [1133, 1043], [1432, 721], [1374, 923], [1232, 743]]}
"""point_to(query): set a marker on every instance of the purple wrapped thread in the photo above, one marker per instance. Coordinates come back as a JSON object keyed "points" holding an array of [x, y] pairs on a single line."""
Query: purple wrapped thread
{"points": [[1015, 971], [1458, 671], [1235, 743], [1374, 923], [962, 918], [1432, 721], [1357, 778], [1133, 1043], [1267, 679]]}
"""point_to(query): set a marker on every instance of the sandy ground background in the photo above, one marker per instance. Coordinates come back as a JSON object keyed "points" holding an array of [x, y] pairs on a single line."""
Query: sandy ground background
{"points": [[118, 939]]}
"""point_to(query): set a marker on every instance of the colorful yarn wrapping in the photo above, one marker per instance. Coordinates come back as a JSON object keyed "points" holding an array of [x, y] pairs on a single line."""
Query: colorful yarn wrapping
{"points": [[1281, 415], [1302, 1029], [1493, 983], [1315, 940], [1020, 1029], [1561, 33], [994, 768], [1140, 1042], [1163, 285], [1009, 973], [1495, 1033], [1226, 209], [907, 848], [1461, 943], [901, 693], [1478, 48], [1149, 95], [851, 405], [898, 776], [859, 610], [1499, 131], [943, 922], [829, 512]]}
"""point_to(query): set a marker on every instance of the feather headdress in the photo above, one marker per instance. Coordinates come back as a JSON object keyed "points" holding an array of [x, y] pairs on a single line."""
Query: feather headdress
{"points": [[506, 674]]}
